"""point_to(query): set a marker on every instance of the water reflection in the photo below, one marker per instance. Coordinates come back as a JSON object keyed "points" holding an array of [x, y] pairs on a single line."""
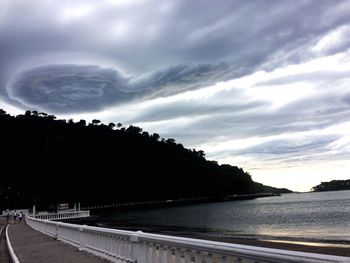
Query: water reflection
{"points": [[317, 217]]}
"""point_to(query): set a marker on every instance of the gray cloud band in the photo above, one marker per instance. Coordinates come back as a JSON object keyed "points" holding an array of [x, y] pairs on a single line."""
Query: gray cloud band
{"points": [[76, 88], [194, 36]]}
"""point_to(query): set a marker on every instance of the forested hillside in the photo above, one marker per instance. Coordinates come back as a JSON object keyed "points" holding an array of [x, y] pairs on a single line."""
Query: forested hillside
{"points": [[335, 185], [45, 161]]}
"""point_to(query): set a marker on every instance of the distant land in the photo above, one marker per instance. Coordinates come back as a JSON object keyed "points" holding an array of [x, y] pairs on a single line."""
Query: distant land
{"points": [[335, 185], [47, 161]]}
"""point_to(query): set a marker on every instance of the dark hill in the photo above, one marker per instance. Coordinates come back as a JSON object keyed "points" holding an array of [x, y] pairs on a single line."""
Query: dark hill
{"points": [[45, 161], [335, 185]]}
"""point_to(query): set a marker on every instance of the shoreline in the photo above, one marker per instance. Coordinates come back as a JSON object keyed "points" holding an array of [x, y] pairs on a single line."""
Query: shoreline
{"points": [[310, 247], [295, 245], [178, 202]]}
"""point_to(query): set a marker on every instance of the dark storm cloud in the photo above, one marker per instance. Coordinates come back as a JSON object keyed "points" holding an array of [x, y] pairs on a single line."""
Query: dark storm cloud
{"points": [[80, 88], [167, 48], [69, 87]]}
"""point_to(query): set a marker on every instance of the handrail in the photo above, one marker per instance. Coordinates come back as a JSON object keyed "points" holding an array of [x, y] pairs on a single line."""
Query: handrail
{"points": [[10, 248], [62, 215], [128, 246]]}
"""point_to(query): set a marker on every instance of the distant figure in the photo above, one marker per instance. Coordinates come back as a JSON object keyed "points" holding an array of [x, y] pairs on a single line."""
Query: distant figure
{"points": [[8, 217], [14, 217], [20, 216]]}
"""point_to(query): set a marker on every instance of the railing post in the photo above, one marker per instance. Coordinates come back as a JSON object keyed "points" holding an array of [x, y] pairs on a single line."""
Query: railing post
{"points": [[57, 231], [81, 237], [138, 249]]}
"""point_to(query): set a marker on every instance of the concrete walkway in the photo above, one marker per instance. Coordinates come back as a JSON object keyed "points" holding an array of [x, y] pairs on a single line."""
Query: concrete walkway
{"points": [[4, 255], [31, 246]]}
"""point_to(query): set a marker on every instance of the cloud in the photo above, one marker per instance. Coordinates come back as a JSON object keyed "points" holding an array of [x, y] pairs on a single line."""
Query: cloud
{"points": [[233, 123], [182, 78], [301, 145], [193, 108], [346, 98], [327, 75], [246, 107], [68, 87], [82, 88], [229, 78], [161, 48]]}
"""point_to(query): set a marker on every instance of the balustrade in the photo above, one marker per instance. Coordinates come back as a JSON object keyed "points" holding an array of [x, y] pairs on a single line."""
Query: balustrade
{"points": [[127, 246]]}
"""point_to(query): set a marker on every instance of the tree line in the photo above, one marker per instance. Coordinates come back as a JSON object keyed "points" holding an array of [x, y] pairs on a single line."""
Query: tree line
{"points": [[335, 185], [47, 161]]}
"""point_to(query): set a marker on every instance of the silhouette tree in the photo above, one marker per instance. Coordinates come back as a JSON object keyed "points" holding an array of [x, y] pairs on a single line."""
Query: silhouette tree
{"points": [[335, 185], [111, 125], [155, 136], [82, 123], [95, 122], [145, 134], [201, 154], [51, 117], [134, 130], [170, 141]]}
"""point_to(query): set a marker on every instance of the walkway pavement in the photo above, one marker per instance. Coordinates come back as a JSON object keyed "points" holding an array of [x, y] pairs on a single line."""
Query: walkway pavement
{"points": [[4, 255], [32, 246]]}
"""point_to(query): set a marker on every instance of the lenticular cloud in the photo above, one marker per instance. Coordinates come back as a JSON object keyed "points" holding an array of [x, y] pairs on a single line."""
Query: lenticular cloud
{"points": [[82, 88], [64, 88]]}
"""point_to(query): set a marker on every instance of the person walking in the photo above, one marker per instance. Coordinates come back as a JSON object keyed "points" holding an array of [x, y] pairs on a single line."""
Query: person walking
{"points": [[20, 216], [8, 216], [15, 217]]}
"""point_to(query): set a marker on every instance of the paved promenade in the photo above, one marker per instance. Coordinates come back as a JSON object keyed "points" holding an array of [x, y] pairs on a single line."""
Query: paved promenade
{"points": [[4, 255], [31, 246]]}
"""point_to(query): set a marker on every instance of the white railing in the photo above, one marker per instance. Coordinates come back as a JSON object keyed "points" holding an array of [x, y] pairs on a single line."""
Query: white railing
{"points": [[13, 256], [62, 215], [127, 246]]}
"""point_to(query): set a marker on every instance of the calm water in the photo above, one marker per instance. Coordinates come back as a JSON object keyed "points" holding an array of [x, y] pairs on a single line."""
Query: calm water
{"points": [[313, 217]]}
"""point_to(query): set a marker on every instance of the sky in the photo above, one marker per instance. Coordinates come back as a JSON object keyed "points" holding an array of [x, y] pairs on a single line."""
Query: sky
{"points": [[263, 84]]}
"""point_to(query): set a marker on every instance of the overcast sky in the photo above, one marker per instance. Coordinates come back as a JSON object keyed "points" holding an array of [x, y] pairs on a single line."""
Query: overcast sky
{"points": [[259, 84]]}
